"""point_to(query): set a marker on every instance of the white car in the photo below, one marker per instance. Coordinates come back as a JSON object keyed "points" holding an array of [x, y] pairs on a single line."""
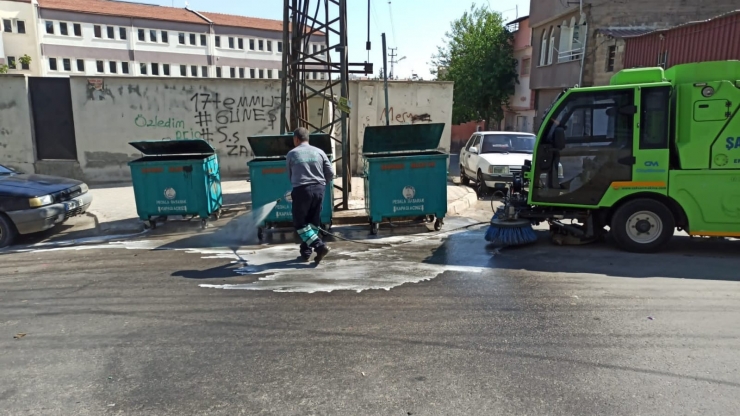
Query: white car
{"points": [[491, 158]]}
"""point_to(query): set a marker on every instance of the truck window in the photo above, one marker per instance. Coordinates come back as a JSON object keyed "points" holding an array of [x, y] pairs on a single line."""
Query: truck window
{"points": [[589, 134], [654, 118]]}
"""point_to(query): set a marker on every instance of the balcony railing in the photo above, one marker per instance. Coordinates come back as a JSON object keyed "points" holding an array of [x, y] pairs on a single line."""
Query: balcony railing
{"points": [[571, 55]]}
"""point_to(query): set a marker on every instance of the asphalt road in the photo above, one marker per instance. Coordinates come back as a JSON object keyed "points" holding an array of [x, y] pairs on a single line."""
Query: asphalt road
{"points": [[124, 329]]}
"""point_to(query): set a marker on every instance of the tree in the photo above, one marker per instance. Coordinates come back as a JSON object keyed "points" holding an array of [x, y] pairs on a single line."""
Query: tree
{"points": [[478, 56]]}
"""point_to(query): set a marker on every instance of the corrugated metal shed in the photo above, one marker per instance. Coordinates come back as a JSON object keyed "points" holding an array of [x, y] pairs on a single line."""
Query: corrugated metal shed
{"points": [[716, 39]]}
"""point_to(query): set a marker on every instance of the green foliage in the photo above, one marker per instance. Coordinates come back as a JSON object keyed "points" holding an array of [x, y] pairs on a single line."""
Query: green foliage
{"points": [[3, 69], [25, 60], [479, 58]]}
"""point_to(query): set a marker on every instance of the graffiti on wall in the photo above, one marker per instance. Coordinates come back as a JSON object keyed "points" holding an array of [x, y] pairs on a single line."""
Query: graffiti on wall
{"points": [[404, 117]]}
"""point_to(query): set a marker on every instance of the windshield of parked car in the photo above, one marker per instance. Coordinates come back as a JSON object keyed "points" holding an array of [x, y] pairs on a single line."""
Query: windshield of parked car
{"points": [[508, 143], [6, 171]]}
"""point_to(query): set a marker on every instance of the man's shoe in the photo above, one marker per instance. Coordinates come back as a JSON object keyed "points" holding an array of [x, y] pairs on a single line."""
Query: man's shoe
{"points": [[304, 259], [321, 253]]}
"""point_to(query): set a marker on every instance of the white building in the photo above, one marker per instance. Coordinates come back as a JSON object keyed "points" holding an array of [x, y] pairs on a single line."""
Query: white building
{"points": [[18, 36], [520, 114], [106, 37]]}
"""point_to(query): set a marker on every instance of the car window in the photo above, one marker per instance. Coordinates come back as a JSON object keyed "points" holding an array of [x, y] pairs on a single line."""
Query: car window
{"points": [[470, 142], [508, 143], [6, 171], [475, 142]]}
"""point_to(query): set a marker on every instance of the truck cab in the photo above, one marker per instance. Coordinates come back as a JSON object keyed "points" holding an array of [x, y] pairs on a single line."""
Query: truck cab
{"points": [[654, 150]]}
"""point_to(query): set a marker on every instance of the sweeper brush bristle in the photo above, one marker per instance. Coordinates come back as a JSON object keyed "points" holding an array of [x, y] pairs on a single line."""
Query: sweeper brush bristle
{"points": [[510, 232]]}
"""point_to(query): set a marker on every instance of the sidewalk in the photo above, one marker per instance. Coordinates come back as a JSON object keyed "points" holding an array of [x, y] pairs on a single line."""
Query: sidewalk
{"points": [[113, 210]]}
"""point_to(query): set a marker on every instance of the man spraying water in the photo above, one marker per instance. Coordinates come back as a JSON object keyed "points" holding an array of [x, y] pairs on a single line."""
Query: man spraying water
{"points": [[310, 170]]}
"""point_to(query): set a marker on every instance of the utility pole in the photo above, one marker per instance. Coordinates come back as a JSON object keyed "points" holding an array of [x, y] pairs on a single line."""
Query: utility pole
{"points": [[392, 55]]}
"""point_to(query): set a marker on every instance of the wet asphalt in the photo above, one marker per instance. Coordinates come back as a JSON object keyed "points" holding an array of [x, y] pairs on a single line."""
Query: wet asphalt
{"points": [[538, 330]]}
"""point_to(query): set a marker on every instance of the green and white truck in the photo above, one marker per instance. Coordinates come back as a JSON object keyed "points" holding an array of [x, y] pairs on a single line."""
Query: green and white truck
{"points": [[653, 151]]}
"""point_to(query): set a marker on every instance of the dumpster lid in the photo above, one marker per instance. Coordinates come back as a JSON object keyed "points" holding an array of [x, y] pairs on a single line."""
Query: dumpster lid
{"points": [[402, 138], [277, 146], [174, 147]]}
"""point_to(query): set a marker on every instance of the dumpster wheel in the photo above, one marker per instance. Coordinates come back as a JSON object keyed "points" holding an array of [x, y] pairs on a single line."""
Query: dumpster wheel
{"points": [[203, 223], [374, 228], [150, 224], [438, 224], [260, 233]]}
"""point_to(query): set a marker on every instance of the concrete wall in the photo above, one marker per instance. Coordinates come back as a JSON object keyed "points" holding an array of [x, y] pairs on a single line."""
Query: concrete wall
{"points": [[410, 102], [16, 143]]}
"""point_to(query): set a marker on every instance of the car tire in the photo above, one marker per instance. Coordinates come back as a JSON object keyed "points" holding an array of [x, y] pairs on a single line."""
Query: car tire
{"points": [[463, 177], [480, 187], [642, 226], [8, 232]]}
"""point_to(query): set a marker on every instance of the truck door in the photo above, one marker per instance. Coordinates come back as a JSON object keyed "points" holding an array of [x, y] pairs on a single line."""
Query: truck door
{"points": [[591, 133]]}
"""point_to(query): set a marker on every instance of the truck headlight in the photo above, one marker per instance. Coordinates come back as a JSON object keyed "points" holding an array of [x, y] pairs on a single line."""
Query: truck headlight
{"points": [[498, 169], [84, 188], [40, 201], [560, 170]]}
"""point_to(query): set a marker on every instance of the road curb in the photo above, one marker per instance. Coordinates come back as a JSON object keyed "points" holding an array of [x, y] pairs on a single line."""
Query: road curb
{"points": [[460, 205]]}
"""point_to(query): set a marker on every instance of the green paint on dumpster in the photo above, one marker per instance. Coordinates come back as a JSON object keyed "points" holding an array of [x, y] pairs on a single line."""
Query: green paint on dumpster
{"points": [[405, 173], [176, 177], [268, 172]]}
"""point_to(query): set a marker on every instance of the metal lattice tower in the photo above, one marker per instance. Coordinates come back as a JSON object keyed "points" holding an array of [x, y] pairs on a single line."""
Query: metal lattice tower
{"points": [[303, 19]]}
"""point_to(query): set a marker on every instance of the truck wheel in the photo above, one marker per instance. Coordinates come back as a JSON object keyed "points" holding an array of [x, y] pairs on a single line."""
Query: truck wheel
{"points": [[642, 226], [7, 231], [463, 177]]}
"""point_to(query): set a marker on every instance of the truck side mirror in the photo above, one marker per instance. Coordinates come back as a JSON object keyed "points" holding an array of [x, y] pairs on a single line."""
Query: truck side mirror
{"points": [[628, 110]]}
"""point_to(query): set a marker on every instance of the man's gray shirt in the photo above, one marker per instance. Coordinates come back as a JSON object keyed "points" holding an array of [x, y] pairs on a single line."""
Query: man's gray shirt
{"points": [[308, 165]]}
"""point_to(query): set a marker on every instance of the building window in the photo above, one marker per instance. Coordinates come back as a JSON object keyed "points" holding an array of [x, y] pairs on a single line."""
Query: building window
{"points": [[142, 69], [315, 48], [165, 37], [262, 73], [8, 25], [261, 45], [142, 35], [241, 72], [526, 64], [152, 36], [166, 69], [11, 62], [269, 73], [111, 32], [280, 74], [232, 72], [49, 27], [231, 43], [218, 72], [80, 65], [100, 66], [53, 64], [181, 38], [25, 66], [122, 33], [155, 69], [63, 29], [251, 73], [280, 46], [203, 40], [183, 70], [218, 41], [251, 44], [552, 46], [193, 70], [543, 48], [113, 67], [204, 71], [241, 43], [611, 55], [77, 28], [67, 64], [98, 31], [192, 39], [124, 67], [269, 46]]}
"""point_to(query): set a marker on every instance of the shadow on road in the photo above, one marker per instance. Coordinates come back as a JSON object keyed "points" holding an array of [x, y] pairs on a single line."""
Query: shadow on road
{"points": [[683, 258]]}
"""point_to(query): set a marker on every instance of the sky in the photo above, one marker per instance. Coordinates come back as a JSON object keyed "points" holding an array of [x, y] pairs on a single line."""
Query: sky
{"points": [[415, 27]]}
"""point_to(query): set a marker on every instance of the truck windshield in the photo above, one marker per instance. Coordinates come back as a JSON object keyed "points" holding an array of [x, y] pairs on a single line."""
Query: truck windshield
{"points": [[508, 143]]}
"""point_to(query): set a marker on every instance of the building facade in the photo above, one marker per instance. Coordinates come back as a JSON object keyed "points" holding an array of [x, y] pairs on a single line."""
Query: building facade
{"points": [[102, 37], [18, 36], [572, 45], [519, 116]]}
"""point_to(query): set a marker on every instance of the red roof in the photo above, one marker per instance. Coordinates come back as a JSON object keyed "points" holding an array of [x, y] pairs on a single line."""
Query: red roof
{"points": [[244, 21], [117, 8]]}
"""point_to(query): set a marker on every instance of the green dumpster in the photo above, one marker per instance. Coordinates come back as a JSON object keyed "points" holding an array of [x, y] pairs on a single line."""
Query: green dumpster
{"points": [[268, 172], [405, 173], [176, 177]]}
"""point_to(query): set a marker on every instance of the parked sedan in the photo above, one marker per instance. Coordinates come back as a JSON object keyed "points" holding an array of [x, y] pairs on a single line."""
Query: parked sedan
{"points": [[491, 158], [34, 203]]}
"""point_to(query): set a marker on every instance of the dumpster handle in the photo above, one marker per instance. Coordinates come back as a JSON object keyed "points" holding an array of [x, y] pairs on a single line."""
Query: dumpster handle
{"points": [[187, 169]]}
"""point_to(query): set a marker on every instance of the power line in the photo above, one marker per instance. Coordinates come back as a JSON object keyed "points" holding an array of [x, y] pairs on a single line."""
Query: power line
{"points": [[393, 26]]}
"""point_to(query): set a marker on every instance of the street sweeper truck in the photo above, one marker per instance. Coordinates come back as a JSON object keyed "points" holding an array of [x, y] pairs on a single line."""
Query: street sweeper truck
{"points": [[655, 151]]}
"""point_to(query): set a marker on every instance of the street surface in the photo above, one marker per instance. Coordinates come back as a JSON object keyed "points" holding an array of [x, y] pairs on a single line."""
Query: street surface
{"points": [[417, 324]]}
